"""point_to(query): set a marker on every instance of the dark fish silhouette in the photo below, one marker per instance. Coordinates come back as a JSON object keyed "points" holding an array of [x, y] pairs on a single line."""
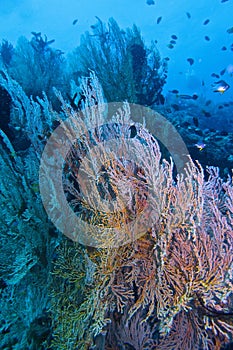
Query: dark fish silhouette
{"points": [[172, 42], [224, 1], [167, 59], [230, 30], [159, 19], [170, 46], [174, 91], [206, 22], [207, 38], [175, 106], [75, 21], [174, 37], [188, 97], [208, 102], [223, 71], [206, 114], [224, 48], [150, 2], [214, 75], [188, 15], [191, 61], [37, 35]]}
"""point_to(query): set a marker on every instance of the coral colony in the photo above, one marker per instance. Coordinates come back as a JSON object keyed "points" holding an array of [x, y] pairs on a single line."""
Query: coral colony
{"points": [[145, 261]]}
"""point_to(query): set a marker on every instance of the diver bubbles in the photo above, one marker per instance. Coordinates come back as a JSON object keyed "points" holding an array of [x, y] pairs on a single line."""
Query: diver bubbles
{"points": [[99, 185]]}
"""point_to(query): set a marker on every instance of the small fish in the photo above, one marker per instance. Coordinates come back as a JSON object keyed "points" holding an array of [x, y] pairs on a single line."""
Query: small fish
{"points": [[230, 30], [150, 2], [208, 102], [161, 99], [170, 46], [172, 42], [214, 75], [224, 1], [175, 106], [224, 48], [188, 97], [207, 38], [200, 145], [167, 59], [223, 71], [188, 15], [37, 35], [159, 19], [221, 86], [174, 91], [174, 37], [75, 21], [206, 114], [206, 22], [191, 61]]}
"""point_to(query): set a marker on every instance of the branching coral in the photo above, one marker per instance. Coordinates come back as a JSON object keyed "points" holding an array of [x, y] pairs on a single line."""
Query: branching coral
{"points": [[173, 284], [126, 68]]}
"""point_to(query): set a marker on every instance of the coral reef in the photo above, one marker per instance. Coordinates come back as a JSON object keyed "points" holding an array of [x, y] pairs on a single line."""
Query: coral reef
{"points": [[126, 68], [172, 287], [155, 271]]}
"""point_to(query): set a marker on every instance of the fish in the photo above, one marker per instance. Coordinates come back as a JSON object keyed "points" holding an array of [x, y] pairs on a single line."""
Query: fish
{"points": [[208, 102], [230, 30], [223, 71], [75, 21], [224, 48], [159, 19], [167, 59], [172, 42], [161, 99], [191, 61], [188, 97], [170, 46], [206, 114], [200, 145], [188, 15], [224, 1], [207, 38], [175, 106], [150, 2], [174, 37], [37, 35], [206, 22], [174, 91], [221, 86], [214, 75]]}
